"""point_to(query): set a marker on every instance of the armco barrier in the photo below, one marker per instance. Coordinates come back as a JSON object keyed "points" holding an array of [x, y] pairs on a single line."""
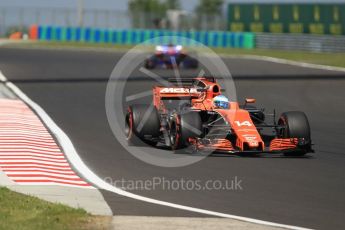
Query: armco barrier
{"points": [[132, 37]]}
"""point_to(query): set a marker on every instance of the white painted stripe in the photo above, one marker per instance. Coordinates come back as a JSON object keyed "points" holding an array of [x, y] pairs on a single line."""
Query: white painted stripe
{"points": [[13, 113], [25, 122], [31, 156], [2, 150], [40, 169], [288, 62], [7, 119], [53, 158], [26, 140], [22, 128], [43, 148], [16, 128], [59, 155], [14, 125], [19, 119], [15, 104], [56, 183], [25, 134], [33, 153], [26, 116], [25, 137], [23, 143], [13, 174], [12, 120], [30, 153], [12, 132], [2, 77], [10, 109], [23, 161], [78, 164], [43, 158], [62, 178], [35, 166], [29, 147], [27, 143], [40, 183], [17, 114], [47, 179]]}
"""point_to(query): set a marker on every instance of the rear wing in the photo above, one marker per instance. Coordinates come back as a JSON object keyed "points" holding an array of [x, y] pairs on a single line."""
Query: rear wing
{"points": [[177, 92], [190, 81], [183, 88]]}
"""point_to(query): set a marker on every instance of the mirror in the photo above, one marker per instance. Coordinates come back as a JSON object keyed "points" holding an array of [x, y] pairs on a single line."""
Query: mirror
{"points": [[250, 100]]}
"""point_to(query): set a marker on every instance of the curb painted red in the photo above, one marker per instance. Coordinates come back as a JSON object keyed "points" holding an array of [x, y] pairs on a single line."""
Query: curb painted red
{"points": [[29, 154]]}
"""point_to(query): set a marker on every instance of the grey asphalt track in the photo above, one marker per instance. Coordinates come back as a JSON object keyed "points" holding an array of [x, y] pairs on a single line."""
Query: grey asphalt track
{"points": [[307, 192]]}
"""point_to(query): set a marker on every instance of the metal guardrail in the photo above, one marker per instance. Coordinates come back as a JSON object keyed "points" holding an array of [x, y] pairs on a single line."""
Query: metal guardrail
{"points": [[312, 43]]}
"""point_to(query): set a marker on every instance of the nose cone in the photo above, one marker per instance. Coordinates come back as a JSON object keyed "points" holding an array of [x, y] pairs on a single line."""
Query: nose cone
{"points": [[253, 144]]}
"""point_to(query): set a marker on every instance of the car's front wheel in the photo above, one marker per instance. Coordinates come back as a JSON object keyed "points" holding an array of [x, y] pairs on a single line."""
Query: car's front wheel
{"points": [[182, 127], [296, 125]]}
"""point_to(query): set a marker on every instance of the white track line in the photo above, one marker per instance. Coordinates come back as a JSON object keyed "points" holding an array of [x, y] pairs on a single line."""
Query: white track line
{"points": [[287, 62], [89, 175], [2, 77]]}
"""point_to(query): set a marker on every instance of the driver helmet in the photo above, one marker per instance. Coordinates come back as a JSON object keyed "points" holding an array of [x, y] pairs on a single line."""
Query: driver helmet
{"points": [[221, 102]]}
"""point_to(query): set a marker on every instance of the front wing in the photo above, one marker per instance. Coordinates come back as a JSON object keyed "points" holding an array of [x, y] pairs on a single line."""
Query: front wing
{"points": [[277, 145]]}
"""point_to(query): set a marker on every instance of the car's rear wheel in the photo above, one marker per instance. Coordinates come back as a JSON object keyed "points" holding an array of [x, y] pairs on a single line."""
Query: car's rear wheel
{"points": [[142, 124], [182, 127], [296, 125]]}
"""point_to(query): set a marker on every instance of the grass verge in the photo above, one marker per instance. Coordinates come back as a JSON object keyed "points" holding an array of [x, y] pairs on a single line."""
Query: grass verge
{"points": [[18, 211], [331, 59]]}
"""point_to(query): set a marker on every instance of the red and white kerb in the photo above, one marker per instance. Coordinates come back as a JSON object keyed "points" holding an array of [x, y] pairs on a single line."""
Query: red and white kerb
{"points": [[28, 153]]}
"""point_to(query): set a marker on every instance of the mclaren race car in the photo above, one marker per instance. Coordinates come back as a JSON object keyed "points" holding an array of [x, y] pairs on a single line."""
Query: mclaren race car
{"points": [[195, 115], [171, 56]]}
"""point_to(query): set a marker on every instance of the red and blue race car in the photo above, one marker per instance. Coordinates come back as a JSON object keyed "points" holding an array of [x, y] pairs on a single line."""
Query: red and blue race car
{"points": [[171, 56]]}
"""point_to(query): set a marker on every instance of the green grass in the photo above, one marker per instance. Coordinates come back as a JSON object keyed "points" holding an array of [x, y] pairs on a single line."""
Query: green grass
{"points": [[18, 211], [61, 45], [331, 59]]}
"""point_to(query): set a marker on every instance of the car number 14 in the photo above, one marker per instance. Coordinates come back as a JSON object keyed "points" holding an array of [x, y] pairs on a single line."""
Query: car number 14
{"points": [[244, 123]]}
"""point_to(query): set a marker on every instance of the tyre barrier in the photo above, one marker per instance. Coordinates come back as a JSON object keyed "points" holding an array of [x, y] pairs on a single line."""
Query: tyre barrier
{"points": [[220, 39]]}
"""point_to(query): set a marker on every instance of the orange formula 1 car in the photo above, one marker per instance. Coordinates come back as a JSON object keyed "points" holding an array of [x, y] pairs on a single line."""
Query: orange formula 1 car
{"points": [[195, 115]]}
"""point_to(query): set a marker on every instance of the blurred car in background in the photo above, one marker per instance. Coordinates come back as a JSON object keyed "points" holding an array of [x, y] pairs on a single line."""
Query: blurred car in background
{"points": [[169, 57]]}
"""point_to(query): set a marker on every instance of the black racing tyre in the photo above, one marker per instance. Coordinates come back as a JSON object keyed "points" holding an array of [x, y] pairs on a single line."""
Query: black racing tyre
{"points": [[296, 125], [135, 131], [150, 63], [182, 127]]}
